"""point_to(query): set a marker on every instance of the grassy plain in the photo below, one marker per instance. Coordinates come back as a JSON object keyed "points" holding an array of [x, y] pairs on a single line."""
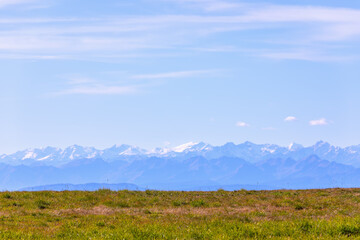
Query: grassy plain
{"points": [[104, 214]]}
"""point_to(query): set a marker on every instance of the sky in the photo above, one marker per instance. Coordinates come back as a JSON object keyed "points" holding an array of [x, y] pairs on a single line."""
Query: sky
{"points": [[159, 73]]}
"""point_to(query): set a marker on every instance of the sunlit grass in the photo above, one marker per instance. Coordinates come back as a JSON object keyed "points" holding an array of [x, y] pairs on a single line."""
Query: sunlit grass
{"points": [[307, 214]]}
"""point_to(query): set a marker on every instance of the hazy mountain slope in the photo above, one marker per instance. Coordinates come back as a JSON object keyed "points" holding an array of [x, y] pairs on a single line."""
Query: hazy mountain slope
{"points": [[186, 174], [83, 187]]}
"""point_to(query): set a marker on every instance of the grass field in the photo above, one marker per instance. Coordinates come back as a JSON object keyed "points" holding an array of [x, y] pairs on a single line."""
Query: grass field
{"points": [[305, 214]]}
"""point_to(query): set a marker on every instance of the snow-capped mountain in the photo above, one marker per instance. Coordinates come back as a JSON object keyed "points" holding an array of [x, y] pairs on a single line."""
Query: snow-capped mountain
{"points": [[191, 164], [295, 146], [248, 151], [50, 155], [192, 147], [121, 152]]}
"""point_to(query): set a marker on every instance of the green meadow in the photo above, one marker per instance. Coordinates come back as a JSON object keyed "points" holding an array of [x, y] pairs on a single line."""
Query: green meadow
{"points": [[104, 214]]}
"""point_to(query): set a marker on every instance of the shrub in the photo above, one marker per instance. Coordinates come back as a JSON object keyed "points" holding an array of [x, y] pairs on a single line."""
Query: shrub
{"points": [[41, 204], [349, 230], [305, 226], [299, 207], [7, 195], [100, 224], [147, 211], [15, 204], [178, 203], [198, 203]]}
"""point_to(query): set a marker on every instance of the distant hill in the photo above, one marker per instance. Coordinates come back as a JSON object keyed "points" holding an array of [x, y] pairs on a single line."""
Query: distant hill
{"points": [[83, 187]]}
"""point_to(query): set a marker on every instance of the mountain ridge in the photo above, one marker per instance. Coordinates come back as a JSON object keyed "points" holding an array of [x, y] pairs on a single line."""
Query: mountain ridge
{"points": [[192, 173], [188, 166], [251, 152]]}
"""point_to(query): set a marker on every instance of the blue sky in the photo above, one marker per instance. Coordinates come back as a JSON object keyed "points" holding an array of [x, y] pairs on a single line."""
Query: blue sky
{"points": [[157, 73]]}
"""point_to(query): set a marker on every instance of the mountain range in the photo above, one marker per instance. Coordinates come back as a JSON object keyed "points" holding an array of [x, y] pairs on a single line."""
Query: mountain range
{"points": [[186, 167], [51, 156]]}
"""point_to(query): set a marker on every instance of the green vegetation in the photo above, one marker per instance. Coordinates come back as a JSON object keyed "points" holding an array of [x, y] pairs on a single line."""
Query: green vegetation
{"points": [[305, 214]]}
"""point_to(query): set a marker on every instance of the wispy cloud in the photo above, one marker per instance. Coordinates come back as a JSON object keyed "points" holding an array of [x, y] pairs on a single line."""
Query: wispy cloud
{"points": [[171, 34], [319, 122], [306, 55], [87, 86], [269, 129], [35, 21], [130, 84], [290, 119], [211, 5], [5, 3], [81, 81], [99, 89], [242, 124], [180, 74]]}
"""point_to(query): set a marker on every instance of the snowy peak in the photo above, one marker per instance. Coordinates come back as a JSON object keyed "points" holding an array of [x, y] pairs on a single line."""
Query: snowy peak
{"points": [[270, 148], [192, 147], [353, 149], [35, 154], [118, 148], [124, 149], [295, 147], [184, 147], [159, 151], [133, 151], [321, 144], [77, 152], [29, 155], [123, 152]]}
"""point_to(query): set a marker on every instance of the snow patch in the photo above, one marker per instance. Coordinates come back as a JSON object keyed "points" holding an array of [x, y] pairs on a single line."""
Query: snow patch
{"points": [[29, 155], [44, 158], [264, 149], [184, 147], [295, 147]]}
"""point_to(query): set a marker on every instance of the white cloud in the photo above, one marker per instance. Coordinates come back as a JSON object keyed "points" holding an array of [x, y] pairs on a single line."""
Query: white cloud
{"points": [[290, 119], [242, 124], [319, 122]]}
